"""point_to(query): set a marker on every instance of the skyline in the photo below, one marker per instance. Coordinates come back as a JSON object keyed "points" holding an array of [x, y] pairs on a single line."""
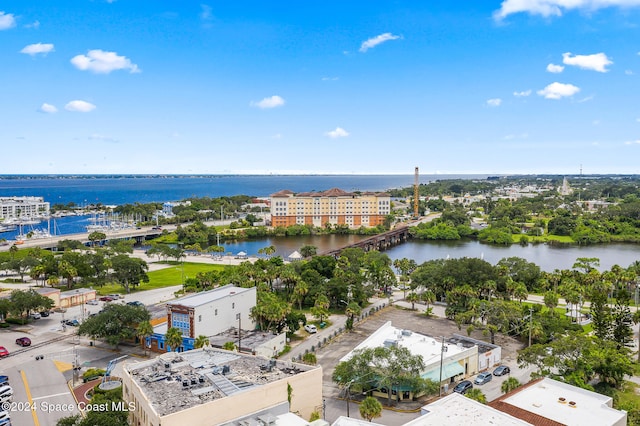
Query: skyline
{"points": [[495, 87]]}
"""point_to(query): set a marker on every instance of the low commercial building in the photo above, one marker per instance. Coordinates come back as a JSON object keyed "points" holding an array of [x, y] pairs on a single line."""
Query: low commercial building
{"points": [[548, 402], [334, 207], [457, 409], [206, 314], [445, 362], [76, 297], [209, 386], [256, 342], [489, 355]]}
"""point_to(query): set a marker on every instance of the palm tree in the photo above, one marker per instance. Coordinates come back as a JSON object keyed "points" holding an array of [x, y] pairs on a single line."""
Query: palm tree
{"points": [[173, 338], [413, 298], [299, 292], [370, 408], [201, 341], [144, 330], [510, 384], [428, 297], [477, 395]]}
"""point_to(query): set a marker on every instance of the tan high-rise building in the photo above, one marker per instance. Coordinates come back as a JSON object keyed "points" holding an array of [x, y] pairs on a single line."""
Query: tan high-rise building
{"points": [[334, 206]]}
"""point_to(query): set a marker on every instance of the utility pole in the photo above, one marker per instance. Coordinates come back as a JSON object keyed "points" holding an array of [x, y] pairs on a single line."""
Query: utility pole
{"points": [[239, 318], [530, 323], [442, 351]]}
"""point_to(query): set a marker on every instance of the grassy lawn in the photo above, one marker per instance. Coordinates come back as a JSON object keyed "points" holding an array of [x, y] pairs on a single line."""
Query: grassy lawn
{"points": [[565, 239], [165, 277]]}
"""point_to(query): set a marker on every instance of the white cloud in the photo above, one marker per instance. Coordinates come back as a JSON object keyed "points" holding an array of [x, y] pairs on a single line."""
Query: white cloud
{"points": [[205, 12], [102, 138], [48, 108], [79, 106], [7, 20], [522, 94], [558, 90], [628, 72], [339, 132], [632, 142], [272, 102], [34, 49], [587, 99], [548, 8], [36, 25], [374, 41], [596, 62], [101, 62], [495, 102], [555, 68]]}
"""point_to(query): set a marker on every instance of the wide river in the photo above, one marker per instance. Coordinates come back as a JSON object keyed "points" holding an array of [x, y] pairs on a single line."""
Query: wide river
{"points": [[545, 256]]}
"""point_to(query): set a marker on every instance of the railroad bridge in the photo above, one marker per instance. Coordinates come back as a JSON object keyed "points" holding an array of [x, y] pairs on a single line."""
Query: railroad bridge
{"points": [[378, 242]]}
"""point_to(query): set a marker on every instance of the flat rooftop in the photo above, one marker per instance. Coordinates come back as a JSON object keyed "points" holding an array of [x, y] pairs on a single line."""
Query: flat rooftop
{"points": [[456, 409], [560, 402], [205, 297], [417, 343], [174, 382], [250, 338]]}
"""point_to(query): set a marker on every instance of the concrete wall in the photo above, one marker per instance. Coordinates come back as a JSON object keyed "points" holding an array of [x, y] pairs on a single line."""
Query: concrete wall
{"points": [[273, 347], [220, 315]]}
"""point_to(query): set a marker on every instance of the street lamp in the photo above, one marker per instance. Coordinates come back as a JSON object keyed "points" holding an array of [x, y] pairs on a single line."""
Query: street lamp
{"points": [[443, 349]]}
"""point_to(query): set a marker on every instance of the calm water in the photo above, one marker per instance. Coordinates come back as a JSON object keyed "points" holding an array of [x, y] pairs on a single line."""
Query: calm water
{"points": [[128, 190]]}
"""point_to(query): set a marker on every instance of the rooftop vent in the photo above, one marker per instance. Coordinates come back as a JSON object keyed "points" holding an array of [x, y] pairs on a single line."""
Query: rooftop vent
{"points": [[226, 369], [562, 400], [406, 332], [572, 404], [389, 342]]}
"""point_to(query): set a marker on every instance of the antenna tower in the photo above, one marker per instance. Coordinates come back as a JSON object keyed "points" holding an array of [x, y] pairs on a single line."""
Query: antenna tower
{"points": [[416, 193]]}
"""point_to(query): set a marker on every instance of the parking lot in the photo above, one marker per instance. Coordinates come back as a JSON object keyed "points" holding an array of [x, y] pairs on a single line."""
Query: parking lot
{"points": [[329, 356]]}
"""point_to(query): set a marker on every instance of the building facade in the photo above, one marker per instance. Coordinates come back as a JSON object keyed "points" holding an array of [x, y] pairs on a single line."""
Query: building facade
{"points": [[23, 207], [335, 207], [206, 314]]}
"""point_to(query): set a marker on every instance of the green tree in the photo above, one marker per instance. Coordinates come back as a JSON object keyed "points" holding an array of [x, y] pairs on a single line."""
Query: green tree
{"points": [[510, 384], [229, 346], [477, 395], [96, 236], [308, 251], [320, 308], [201, 341], [413, 298], [370, 408], [129, 271], [144, 330], [352, 310], [115, 324], [173, 338]]}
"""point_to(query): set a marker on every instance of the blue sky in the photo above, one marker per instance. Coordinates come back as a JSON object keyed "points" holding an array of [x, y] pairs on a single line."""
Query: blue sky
{"points": [[515, 86]]}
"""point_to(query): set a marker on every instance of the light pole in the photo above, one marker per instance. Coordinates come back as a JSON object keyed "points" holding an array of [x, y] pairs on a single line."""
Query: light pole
{"points": [[530, 323], [348, 395], [443, 349], [239, 318]]}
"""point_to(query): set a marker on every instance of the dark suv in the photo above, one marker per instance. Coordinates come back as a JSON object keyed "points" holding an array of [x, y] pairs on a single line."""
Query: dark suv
{"points": [[463, 386]]}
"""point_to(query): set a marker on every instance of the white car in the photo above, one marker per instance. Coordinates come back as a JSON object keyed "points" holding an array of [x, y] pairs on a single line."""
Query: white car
{"points": [[4, 415], [6, 392], [35, 316], [310, 328], [92, 302]]}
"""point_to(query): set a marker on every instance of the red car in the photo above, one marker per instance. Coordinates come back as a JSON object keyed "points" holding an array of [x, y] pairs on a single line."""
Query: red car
{"points": [[3, 351], [106, 299], [23, 341]]}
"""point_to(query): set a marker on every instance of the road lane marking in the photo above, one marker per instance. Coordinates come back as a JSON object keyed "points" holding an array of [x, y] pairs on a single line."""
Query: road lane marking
{"points": [[51, 396], [36, 422]]}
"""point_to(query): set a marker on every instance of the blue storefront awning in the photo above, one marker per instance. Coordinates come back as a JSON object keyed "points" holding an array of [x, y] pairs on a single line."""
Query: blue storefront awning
{"points": [[448, 371]]}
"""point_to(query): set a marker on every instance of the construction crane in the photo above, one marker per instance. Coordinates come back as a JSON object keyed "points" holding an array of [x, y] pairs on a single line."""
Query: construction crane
{"points": [[416, 194]]}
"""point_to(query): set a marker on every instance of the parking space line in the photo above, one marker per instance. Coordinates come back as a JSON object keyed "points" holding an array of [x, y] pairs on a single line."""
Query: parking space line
{"points": [[36, 422]]}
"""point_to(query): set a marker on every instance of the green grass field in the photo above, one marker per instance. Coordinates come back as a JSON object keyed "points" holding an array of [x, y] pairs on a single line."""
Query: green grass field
{"points": [[166, 277]]}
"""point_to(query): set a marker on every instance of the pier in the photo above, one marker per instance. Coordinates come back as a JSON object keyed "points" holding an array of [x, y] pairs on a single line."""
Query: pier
{"points": [[378, 242]]}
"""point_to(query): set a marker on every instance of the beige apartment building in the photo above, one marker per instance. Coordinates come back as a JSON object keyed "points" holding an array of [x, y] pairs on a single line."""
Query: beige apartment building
{"points": [[205, 387], [334, 206]]}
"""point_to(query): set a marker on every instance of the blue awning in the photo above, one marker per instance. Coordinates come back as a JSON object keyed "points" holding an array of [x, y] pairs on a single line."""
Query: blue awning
{"points": [[448, 371]]}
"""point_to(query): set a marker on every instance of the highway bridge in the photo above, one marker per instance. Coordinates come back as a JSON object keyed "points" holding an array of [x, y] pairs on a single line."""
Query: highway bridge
{"points": [[139, 234]]}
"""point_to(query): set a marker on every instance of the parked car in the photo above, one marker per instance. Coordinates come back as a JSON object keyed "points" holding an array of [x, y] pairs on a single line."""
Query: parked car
{"points": [[71, 322], [44, 314], [501, 370], [5, 418], [35, 316], [116, 296], [106, 299], [23, 341], [483, 378], [463, 386], [92, 302], [3, 351], [4, 380], [310, 328], [135, 303], [6, 392]]}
